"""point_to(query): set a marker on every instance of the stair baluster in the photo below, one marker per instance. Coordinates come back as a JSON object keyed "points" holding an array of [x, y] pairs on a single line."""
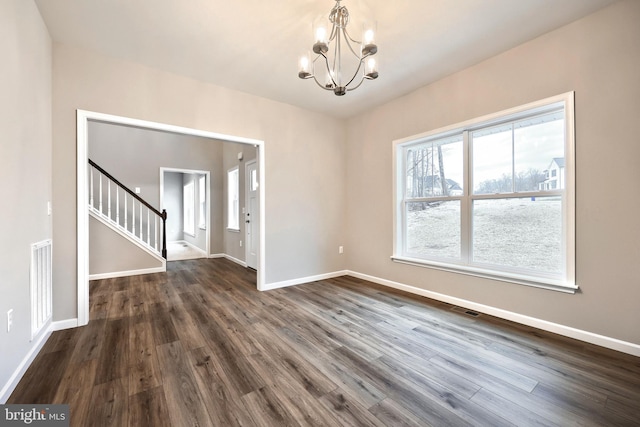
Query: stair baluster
{"points": [[117, 204], [149, 240], [109, 198], [91, 187], [100, 194], [133, 216]]}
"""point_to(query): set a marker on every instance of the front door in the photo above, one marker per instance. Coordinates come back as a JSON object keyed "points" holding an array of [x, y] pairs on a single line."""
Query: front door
{"points": [[251, 215]]}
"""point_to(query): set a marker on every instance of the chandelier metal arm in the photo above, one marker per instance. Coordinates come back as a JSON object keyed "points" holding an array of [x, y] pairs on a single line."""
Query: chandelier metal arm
{"points": [[355, 75], [334, 32], [337, 61], [358, 85], [333, 61], [320, 84], [348, 37], [313, 76]]}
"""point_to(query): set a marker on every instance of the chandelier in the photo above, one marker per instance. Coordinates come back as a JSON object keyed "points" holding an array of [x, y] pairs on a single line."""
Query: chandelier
{"points": [[329, 47]]}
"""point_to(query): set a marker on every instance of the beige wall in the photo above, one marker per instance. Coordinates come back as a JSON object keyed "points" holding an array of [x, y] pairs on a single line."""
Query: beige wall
{"points": [[109, 252], [304, 153], [25, 162], [598, 57]]}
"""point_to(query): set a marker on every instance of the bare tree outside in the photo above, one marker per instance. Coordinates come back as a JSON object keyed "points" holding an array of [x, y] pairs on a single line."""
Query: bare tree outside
{"points": [[523, 181]]}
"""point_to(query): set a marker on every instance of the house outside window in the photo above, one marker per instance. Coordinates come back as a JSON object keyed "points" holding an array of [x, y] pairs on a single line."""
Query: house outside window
{"points": [[555, 175], [489, 197]]}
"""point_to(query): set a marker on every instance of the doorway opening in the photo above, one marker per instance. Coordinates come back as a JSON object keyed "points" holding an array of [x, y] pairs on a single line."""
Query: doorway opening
{"points": [[82, 129], [187, 194]]}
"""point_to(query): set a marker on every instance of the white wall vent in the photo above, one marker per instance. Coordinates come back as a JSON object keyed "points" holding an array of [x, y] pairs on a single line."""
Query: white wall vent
{"points": [[41, 285]]}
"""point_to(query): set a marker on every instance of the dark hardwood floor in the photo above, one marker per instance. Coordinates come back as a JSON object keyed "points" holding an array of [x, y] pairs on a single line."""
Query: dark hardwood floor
{"points": [[199, 346]]}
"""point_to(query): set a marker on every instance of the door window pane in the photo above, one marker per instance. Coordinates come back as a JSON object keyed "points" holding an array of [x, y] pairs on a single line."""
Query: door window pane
{"points": [[254, 180], [233, 196]]}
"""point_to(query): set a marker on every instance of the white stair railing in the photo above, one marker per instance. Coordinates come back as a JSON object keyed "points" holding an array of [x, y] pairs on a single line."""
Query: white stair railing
{"points": [[133, 215]]}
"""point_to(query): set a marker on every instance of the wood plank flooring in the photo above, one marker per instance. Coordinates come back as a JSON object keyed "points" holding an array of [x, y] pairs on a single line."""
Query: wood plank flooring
{"points": [[199, 346]]}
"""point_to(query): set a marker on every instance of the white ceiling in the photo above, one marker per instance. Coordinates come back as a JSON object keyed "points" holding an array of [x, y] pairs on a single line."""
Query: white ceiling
{"points": [[254, 45]]}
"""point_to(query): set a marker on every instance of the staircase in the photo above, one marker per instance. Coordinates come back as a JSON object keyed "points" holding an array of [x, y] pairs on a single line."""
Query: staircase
{"points": [[126, 213]]}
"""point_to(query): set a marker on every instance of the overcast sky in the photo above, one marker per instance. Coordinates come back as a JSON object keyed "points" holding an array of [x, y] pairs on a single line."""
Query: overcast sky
{"points": [[535, 147]]}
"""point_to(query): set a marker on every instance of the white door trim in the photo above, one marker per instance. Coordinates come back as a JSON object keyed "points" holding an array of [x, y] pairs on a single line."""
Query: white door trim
{"points": [[83, 118]]}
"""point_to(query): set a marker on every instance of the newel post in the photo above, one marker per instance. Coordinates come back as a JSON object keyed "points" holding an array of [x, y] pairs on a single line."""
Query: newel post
{"points": [[164, 233]]}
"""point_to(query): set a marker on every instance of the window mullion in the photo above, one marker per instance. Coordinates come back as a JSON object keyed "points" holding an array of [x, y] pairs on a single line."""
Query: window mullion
{"points": [[465, 202], [513, 159]]}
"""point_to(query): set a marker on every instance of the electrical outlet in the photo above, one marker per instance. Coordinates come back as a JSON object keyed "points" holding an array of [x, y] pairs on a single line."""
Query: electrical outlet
{"points": [[240, 243], [9, 320], [137, 190], [340, 249]]}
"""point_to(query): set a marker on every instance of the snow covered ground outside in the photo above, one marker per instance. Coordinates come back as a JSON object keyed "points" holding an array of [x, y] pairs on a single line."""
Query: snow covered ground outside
{"points": [[521, 232]]}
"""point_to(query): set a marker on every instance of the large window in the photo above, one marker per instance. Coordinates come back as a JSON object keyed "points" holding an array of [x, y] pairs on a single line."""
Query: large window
{"points": [[202, 202], [233, 199], [188, 204], [492, 197]]}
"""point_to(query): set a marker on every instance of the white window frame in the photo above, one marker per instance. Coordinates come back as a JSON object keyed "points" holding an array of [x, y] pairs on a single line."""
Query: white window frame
{"points": [[565, 281], [233, 199], [188, 206]]}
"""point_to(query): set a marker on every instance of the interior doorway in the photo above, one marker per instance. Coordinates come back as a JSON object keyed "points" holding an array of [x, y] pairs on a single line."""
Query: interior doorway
{"points": [[186, 194], [82, 230]]}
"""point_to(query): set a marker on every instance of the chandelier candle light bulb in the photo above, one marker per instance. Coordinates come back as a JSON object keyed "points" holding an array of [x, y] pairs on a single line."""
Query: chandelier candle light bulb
{"points": [[371, 69], [305, 67], [369, 45], [321, 35], [338, 55]]}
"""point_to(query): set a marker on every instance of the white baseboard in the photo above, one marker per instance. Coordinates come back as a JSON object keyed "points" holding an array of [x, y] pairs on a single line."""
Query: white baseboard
{"points": [[31, 355], [230, 258], [64, 324], [567, 331], [15, 378], [302, 280], [127, 273]]}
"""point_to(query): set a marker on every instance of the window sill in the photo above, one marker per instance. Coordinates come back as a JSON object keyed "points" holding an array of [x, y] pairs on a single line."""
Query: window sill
{"points": [[520, 279], [233, 230]]}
